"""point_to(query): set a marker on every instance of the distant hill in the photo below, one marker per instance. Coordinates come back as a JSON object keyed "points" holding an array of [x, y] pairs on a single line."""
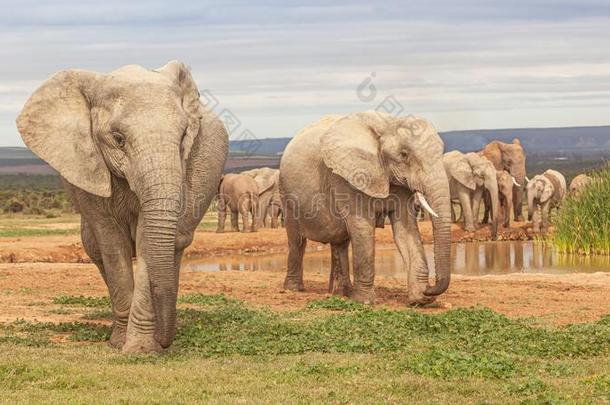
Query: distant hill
{"points": [[257, 152]]}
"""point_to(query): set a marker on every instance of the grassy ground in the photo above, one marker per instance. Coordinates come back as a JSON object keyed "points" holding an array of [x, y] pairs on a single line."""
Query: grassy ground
{"points": [[333, 351]]}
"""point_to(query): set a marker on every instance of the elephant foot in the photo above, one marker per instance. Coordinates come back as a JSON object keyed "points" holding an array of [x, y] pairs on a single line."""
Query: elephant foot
{"points": [[520, 218], [220, 231], [344, 290], [118, 336], [141, 344], [293, 285], [418, 300], [470, 228], [365, 297]]}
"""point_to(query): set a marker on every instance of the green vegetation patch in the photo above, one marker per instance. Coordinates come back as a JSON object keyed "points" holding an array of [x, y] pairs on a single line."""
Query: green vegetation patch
{"points": [[583, 223], [82, 301]]}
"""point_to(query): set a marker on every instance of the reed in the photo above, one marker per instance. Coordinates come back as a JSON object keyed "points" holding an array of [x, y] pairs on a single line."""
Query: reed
{"points": [[582, 225]]}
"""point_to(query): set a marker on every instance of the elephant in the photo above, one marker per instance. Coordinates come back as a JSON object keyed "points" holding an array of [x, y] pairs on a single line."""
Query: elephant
{"points": [[238, 193], [544, 191], [506, 183], [270, 204], [469, 175], [578, 184], [140, 158], [340, 175], [509, 157]]}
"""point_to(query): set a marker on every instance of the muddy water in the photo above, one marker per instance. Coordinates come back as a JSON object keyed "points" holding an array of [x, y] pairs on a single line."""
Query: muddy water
{"points": [[470, 259]]}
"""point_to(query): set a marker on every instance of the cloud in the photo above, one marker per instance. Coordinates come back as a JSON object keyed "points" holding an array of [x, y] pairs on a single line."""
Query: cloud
{"points": [[279, 65]]}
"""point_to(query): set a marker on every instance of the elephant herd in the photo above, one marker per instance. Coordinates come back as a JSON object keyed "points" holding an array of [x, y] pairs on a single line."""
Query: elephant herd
{"points": [[142, 158], [253, 192]]}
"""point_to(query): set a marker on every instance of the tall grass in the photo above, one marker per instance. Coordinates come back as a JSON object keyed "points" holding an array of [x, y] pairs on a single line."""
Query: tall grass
{"points": [[583, 224]]}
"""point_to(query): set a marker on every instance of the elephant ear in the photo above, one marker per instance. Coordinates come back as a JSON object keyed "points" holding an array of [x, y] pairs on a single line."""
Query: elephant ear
{"points": [[350, 148], [547, 191], [265, 181], [460, 169], [179, 73], [55, 124]]}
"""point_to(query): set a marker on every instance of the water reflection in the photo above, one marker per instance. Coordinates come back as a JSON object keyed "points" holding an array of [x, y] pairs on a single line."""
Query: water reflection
{"points": [[470, 258]]}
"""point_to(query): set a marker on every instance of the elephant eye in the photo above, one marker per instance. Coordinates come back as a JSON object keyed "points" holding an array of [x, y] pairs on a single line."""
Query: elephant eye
{"points": [[119, 139]]}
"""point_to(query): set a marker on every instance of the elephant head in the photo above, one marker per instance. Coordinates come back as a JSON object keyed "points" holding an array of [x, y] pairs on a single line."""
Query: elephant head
{"points": [[372, 150], [539, 190], [131, 125]]}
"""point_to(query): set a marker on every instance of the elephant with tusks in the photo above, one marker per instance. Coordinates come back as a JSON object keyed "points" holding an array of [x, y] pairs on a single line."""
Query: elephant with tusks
{"points": [[340, 175]]}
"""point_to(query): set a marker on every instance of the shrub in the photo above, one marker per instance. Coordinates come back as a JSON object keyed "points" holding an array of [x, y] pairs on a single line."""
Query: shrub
{"points": [[583, 223]]}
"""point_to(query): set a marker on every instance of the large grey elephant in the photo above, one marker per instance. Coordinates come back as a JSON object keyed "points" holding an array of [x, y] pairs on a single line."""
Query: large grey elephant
{"points": [[141, 159], [578, 184], [469, 176], [509, 157], [544, 192], [341, 174], [238, 193], [270, 204], [506, 184]]}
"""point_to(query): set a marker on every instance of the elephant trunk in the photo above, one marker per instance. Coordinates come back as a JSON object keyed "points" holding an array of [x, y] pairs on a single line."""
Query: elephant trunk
{"points": [[491, 184], [530, 205], [159, 192], [520, 176], [437, 193]]}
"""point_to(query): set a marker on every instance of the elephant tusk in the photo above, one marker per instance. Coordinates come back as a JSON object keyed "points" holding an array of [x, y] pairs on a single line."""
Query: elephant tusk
{"points": [[424, 203], [527, 179], [515, 182]]}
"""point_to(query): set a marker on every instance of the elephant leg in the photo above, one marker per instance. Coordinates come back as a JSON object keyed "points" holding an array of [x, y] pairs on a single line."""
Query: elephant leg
{"points": [[362, 233], [536, 219], [339, 282], [234, 220], [408, 242], [222, 214], [275, 214], [109, 247], [464, 197], [453, 216], [545, 210], [254, 210], [296, 251], [476, 204], [141, 326], [487, 205]]}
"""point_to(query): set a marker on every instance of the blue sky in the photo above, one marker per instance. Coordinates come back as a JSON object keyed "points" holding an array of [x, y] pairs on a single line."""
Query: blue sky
{"points": [[279, 65]]}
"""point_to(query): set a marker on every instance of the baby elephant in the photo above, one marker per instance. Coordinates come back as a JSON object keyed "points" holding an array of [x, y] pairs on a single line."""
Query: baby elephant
{"points": [[544, 191], [578, 184], [239, 193]]}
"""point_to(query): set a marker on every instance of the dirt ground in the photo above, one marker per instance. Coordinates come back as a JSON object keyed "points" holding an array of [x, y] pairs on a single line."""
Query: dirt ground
{"points": [[37, 269]]}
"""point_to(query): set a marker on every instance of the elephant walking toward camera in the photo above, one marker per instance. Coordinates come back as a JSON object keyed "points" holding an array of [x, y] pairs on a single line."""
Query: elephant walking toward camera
{"points": [[269, 201], [141, 159], [339, 176], [469, 176], [544, 192], [239, 194], [509, 157], [506, 184]]}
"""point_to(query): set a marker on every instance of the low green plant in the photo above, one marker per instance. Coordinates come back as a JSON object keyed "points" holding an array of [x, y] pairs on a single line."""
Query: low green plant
{"points": [[82, 301], [583, 223]]}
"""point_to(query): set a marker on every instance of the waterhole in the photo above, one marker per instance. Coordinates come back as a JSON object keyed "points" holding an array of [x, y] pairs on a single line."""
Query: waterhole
{"points": [[475, 258]]}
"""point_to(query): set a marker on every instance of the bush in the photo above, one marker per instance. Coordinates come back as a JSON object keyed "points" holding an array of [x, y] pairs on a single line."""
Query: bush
{"points": [[583, 223]]}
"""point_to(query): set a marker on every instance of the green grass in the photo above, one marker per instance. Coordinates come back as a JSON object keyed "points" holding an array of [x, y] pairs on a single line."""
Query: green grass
{"points": [[583, 224], [333, 351], [82, 301]]}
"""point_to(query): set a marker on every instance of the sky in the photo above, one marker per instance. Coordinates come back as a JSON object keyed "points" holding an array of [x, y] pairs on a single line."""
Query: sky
{"points": [[279, 65]]}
